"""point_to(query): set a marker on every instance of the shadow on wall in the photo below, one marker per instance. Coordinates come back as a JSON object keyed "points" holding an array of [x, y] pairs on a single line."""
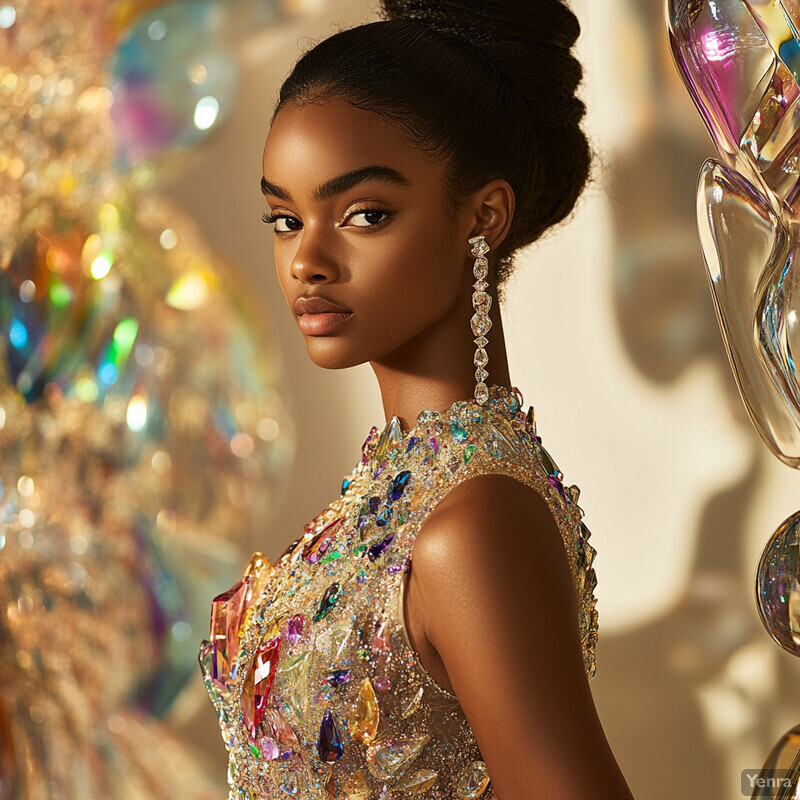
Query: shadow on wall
{"points": [[691, 717]]}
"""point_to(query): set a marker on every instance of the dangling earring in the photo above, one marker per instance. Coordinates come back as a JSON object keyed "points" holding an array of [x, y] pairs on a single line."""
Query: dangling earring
{"points": [[480, 322]]}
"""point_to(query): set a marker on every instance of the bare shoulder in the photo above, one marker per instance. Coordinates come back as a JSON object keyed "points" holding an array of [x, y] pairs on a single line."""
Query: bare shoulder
{"points": [[501, 612], [487, 530]]}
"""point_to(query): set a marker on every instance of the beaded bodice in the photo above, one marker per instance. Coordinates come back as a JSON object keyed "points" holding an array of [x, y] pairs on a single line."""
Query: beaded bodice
{"points": [[310, 668]]}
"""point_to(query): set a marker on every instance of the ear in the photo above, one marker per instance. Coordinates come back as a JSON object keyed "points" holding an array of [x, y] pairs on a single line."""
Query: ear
{"points": [[492, 210]]}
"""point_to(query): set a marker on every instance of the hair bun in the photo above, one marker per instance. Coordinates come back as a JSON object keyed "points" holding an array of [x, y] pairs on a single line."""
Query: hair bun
{"points": [[527, 43]]}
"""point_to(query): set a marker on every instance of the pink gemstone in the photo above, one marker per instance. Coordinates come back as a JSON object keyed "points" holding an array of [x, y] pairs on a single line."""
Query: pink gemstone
{"points": [[227, 610], [258, 683], [379, 641], [294, 628], [382, 684], [269, 749]]}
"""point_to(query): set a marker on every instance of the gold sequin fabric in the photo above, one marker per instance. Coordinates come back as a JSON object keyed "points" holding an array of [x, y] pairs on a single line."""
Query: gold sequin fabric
{"points": [[319, 692]]}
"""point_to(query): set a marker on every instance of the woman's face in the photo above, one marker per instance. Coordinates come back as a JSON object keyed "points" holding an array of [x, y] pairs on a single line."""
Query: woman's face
{"points": [[359, 221]]}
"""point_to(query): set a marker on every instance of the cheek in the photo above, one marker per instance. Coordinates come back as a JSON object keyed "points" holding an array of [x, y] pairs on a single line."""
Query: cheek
{"points": [[406, 288]]}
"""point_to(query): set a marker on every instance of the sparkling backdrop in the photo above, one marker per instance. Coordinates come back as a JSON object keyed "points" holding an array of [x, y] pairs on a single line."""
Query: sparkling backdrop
{"points": [[142, 426]]}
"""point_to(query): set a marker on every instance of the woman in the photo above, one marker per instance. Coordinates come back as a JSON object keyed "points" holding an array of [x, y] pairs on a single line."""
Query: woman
{"points": [[406, 162]]}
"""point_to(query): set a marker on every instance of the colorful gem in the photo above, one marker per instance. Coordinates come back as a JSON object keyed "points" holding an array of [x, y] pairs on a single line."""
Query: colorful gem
{"points": [[399, 483], [377, 550], [384, 515], [294, 679], [364, 726], [258, 683], [345, 484], [338, 677], [269, 749], [228, 612], [329, 743], [389, 757], [328, 601], [332, 641], [391, 434], [473, 781], [294, 628], [316, 547], [457, 432], [557, 485]]}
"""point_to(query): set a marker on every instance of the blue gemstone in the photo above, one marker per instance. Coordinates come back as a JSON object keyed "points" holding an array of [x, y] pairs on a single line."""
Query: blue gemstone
{"points": [[399, 483], [412, 442], [345, 483], [457, 432], [385, 515]]}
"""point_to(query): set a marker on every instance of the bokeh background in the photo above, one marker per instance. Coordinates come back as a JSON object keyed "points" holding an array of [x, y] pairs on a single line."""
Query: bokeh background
{"points": [[611, 336]]}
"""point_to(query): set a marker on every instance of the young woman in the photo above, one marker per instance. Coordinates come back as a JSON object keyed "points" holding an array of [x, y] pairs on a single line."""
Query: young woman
{"points": [[407, 160]]}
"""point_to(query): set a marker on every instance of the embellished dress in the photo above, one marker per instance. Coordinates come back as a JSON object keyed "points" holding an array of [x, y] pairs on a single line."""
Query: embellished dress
{"points": [[319, 692]]}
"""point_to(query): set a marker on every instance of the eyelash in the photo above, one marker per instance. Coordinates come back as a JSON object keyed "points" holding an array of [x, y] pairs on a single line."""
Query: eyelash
{"points": [[272, 218]]}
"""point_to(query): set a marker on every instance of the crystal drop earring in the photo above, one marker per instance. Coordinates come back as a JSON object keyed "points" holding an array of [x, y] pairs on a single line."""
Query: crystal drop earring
{"points": [[480, 322]]}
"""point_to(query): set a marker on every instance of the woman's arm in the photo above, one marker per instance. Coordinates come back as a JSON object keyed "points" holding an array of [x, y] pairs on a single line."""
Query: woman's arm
{"points": [[500, 609]]}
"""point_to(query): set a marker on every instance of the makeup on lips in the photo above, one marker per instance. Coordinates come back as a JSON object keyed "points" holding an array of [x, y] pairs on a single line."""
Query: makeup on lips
{"points": [[319, 316]]}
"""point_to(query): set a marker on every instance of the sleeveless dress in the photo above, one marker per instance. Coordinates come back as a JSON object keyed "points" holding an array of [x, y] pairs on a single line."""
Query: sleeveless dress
{"points": [[309, 665]]}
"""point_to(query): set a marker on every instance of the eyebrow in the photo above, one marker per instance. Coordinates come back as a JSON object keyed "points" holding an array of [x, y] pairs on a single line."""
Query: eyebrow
{"points": [[341, 183]]}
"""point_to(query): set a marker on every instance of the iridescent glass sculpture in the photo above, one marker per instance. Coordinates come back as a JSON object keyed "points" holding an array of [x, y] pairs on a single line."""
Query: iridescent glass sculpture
{"points": [[740, 62]]}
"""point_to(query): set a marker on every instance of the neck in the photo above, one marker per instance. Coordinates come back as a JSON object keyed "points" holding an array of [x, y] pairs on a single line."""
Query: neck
{"points": [[435, 369]]}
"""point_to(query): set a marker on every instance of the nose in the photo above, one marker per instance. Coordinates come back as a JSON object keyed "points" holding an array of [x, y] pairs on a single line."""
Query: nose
{"points": [[313, 261]]}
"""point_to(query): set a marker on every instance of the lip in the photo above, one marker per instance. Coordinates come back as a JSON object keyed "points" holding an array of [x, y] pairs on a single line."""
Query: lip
{"points": [[318, 316]]}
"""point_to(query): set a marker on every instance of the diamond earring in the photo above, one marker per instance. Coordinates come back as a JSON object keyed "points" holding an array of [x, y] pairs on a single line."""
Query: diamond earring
{"points": [[480, 322]]}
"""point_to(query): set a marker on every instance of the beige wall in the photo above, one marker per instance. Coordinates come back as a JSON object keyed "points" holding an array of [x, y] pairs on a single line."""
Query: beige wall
{"points": [[612, 338]]}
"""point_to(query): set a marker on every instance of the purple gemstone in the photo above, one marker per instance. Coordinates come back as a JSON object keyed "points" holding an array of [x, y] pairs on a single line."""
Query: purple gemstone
{"points": [[377, 550], [339, 676], [329, 744], [557, 485], [434, 444], [294, 628]]}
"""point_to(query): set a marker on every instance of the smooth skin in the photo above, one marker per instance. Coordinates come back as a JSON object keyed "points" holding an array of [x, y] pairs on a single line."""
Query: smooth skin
{"points": [[490, 605]]}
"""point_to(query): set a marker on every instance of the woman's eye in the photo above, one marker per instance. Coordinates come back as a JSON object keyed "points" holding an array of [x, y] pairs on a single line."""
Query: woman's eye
{"points": [[370, 215], [283, 222]]}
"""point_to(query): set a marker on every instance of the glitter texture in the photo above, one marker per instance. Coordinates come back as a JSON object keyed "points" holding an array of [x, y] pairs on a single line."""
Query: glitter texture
{"points": [[388, 730]]}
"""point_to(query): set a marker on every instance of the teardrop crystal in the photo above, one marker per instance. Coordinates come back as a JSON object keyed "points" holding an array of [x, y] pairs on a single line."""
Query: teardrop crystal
{"points": [[365, 724], [472, 781]]}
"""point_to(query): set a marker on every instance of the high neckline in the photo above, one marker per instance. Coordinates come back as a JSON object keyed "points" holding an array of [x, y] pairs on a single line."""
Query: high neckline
{"points": [[501, 399]]}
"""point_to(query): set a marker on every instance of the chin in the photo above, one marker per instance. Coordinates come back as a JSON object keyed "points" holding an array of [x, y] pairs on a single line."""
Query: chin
{"points": [[329, 353]]}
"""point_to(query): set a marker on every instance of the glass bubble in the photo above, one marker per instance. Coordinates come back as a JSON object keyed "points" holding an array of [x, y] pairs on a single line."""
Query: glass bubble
{"points": [[778, 585], [168, 73]]}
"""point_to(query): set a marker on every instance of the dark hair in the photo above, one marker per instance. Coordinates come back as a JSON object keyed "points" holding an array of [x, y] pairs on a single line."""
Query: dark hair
{"points": [[488, 86]]}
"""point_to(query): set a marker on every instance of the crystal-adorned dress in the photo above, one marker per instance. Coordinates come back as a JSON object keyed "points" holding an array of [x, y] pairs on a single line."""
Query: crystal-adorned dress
{"points": [[310, 668]]}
